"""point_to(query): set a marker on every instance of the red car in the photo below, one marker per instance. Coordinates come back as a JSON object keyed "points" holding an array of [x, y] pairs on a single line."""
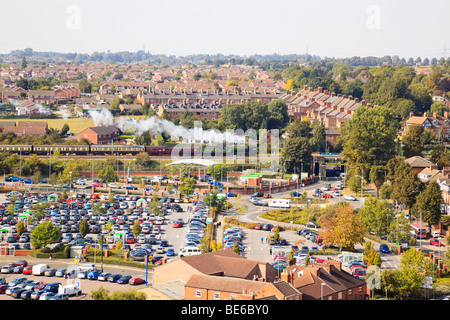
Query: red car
{"points": [[130, 240], [325, 195], [17, 263], [136, 280], [97, 185], [177, 224], [95, 196], [267, 195], [436, 242], [28, 270], [3, 288]]}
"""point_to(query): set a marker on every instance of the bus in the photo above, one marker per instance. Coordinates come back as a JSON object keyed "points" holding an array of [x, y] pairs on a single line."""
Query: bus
{"points": [[417, 231]]}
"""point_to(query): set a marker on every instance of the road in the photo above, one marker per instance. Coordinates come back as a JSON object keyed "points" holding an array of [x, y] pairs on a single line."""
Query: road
{"points": [[257, 250]]}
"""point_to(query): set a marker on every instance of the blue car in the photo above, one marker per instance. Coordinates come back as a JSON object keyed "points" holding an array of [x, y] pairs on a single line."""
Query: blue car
{"points": [[230, 194], [28, 181], [170, 252], [93, 275], [124, 279], [149, 189], [114, 277], [129, 187], [384, 248]]}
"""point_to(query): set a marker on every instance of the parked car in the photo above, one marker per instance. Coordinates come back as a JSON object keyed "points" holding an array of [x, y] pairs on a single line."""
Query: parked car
{"points": [[349, 197], [129, 187], [384, 248], [114, 277], [93, 275], [86, 267], [124, 279], [60, 272], [103, 276], [136, 281], [50, 272]]}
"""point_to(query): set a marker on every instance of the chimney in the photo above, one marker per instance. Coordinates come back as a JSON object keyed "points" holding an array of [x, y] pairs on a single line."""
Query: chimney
{"points": [[357, 100], [320, 89], [446, 171], [434, 115], [326, 92], [411, 114], [446, 114]]}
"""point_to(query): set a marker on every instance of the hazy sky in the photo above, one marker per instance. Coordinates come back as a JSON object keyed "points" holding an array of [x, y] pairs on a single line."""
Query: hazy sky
{"points": [[339, 28]]}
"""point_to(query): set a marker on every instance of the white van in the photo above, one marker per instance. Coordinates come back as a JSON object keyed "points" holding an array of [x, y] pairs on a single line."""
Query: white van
{"points": [[280, 203], [70, 290], [189, 251], [39, 269]]}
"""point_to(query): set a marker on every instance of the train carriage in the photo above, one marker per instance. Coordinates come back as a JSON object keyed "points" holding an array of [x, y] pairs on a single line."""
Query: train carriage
{"points": [[24, 149], [63, 149], [106, 149]]}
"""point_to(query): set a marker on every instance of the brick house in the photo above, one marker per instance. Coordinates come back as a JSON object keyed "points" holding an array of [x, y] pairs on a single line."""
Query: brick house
{"points": [[206, 287], [100, 134], [326, 281], [223, 263], [42, 96], [35, 128], [437, 124]]}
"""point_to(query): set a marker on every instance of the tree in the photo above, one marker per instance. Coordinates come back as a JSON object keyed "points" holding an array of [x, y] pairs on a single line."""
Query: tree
{"points": [[45, 233], [414, 267], [369, 138], [342, 226], [136, 228], [278, 110], [24, 63], [217, 171], [214, 202], [405, 184], [107, 174], [296, 151], [370, 256], [412, 141], [377, 176], [84, 227], [376, 215], [429, 204], [70, 173], [318, 140], [299, 129], [65, 128]]}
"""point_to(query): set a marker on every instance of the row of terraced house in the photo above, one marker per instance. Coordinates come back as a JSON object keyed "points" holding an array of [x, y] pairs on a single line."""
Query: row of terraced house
{"points": [[225, 275]]}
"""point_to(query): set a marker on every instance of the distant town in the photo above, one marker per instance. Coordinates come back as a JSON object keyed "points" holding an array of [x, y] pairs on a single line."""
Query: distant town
{"points": [[357, 207]]}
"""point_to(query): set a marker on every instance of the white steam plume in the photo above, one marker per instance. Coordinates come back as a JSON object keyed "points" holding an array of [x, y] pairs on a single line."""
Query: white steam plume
{"points": [[156, 125]]}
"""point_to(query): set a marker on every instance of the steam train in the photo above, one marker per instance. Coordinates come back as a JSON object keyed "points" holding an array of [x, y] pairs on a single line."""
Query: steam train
{"points": [[108, 149], [97, 149]]}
